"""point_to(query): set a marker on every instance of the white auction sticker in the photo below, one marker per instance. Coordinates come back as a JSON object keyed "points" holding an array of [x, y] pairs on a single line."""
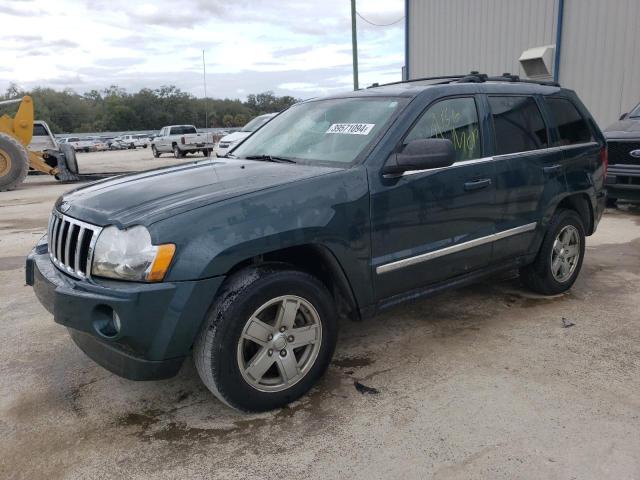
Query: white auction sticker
{"points": [[351, 128]]}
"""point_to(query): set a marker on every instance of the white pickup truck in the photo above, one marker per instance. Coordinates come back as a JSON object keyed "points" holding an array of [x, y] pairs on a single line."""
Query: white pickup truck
{"points": [[182, 139]]}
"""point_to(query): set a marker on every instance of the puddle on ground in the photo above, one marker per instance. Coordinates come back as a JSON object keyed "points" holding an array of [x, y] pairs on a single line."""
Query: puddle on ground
{"points": [[159, 424], [352, 362]]}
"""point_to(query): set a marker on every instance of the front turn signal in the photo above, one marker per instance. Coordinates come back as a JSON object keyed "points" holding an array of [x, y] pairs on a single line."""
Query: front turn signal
{"points": [[162, 262]]}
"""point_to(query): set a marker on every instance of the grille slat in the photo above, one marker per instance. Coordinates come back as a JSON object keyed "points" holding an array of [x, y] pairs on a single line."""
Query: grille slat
{"points": [[76, 260], [58, 242], [619, 152], [71, 244]]}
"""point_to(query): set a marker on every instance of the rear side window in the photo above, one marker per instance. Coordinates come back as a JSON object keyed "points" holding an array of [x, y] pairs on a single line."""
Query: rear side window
{"points": [[454, 119], [572, 127], [518, 125]]}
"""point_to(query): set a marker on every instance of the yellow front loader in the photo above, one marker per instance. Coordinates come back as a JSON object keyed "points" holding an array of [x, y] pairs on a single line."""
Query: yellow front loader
{"points": [[15, 156]]}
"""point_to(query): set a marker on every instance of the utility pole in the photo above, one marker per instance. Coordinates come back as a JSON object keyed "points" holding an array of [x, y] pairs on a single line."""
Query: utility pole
{"points": [[354, 44], [204, 78]]}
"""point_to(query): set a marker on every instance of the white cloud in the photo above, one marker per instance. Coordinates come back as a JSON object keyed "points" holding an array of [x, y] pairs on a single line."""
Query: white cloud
{"points": [[293, 47]]}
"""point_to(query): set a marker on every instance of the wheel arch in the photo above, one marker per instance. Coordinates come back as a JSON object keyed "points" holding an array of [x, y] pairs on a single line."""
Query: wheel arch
{"points": [[319, 261], [581, 204]]}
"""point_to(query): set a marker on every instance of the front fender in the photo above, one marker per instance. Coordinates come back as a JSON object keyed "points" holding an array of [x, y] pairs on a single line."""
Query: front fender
{"points": [[330, 210]]}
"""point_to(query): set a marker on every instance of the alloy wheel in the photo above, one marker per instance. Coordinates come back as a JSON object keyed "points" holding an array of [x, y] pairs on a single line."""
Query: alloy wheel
{"points": [[565, 253], [279, 343]]}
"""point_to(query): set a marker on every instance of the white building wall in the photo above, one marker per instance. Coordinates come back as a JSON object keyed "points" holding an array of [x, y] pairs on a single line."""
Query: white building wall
{"points": [[600, 56]]}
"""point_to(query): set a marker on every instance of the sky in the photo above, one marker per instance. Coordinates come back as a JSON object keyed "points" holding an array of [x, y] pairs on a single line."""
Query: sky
{"points": [[298, 48]]}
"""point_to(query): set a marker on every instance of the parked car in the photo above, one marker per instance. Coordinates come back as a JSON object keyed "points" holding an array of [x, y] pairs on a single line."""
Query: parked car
{"points": [[228, 142], [42, 138], [180, 140], [623, 140], [98, 144], [78, 144], [133, 141], [341, 206]]}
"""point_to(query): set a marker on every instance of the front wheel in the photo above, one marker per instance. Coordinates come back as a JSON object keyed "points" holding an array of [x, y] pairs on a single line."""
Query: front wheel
{"points": [[268, 338], [155, 151], [559, 260]]}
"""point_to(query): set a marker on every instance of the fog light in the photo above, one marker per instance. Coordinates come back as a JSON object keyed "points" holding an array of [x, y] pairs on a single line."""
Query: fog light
{"points": [[107, 322]]}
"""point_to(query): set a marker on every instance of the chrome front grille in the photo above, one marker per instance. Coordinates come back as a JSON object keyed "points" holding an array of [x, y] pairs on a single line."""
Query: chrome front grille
{"points": [[71, 244]]}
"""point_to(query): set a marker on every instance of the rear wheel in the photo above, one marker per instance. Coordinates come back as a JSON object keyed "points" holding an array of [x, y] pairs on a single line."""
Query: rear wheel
{"points": [[268, 338], [14, 162], [559, 260], [155, 151], [177, 153]]}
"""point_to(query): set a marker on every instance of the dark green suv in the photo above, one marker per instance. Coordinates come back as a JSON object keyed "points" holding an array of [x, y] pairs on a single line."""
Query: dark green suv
{"points": [[338, 207]]}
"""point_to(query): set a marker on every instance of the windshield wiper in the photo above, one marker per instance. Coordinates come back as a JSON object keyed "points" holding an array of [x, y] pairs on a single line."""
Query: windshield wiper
{"points": [[270, 158]]}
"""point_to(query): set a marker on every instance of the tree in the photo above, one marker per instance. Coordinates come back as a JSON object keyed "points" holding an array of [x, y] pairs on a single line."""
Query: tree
{"points": [[227, 120], [114, 109]]}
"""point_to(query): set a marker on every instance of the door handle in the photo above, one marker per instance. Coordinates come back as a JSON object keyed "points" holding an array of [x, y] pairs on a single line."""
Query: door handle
{"points": [[552, 169], [477, 184]]}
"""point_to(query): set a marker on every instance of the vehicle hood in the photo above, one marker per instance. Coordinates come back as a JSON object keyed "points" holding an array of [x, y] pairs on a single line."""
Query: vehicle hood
{"points": [[148, 197], [627, 128], [235, 137]]}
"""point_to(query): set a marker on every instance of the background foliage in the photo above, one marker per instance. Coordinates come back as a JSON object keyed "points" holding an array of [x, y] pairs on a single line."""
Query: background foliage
{"points": [[114, 110]]}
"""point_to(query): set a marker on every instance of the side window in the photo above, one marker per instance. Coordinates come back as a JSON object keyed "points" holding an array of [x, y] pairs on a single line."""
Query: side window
{"points": [[454, 119], [572, 127], [518, 124]]}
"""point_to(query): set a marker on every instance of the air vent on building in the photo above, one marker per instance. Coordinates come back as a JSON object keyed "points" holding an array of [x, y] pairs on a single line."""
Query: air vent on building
{"points": [[537, 62]]}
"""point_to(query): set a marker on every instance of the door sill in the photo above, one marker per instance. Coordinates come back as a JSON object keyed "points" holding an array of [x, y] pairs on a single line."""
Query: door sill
{"points": [[452, 283]]}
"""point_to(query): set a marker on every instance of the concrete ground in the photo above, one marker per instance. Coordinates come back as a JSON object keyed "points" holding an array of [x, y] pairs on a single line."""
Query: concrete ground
{"points": [[483, 382]]}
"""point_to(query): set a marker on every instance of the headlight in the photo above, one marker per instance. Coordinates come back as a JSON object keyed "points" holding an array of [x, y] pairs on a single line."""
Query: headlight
{"points": [[130, 255]]}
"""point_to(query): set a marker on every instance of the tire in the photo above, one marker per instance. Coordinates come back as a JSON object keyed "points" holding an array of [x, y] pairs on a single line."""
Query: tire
{"points": [[144, 146], [221, 351], [155, 151], [543, 276], [14, 162], [71, 160], [177, 153]]}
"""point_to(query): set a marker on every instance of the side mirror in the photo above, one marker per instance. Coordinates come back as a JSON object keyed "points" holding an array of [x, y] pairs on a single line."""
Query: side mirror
{"points": [[421, 155], [623, 116]]}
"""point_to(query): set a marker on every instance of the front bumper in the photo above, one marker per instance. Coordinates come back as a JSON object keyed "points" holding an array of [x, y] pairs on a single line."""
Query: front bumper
{"points": [[159, 322], [623, 181]]}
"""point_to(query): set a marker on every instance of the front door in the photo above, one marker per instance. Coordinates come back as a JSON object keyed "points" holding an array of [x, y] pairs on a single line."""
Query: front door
{"points": [[432, 225]]}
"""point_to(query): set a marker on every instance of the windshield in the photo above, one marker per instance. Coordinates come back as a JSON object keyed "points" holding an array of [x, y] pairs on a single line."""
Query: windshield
{"points": [[335, 131], [635, 113], [256, 123]]}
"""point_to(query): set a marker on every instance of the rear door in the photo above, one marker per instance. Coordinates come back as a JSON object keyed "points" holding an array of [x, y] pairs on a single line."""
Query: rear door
{"points": [[529, 173], [432, 225], [580, 151]]}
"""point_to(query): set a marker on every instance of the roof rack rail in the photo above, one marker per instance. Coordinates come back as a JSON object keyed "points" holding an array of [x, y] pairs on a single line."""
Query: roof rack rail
{"points": [[472, 77], [422, 79]]}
